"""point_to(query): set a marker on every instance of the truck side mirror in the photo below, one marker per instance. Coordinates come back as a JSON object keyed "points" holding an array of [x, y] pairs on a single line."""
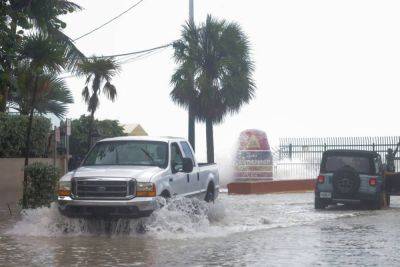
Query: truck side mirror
{"points": [[187, 165]]}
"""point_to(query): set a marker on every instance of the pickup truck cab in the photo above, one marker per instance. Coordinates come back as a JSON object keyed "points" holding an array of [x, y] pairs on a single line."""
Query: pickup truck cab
{"points": [[351, 176], [124, 177]]}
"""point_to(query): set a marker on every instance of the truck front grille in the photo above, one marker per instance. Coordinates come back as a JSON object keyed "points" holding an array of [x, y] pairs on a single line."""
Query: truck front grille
{"points": [[103, 189]]}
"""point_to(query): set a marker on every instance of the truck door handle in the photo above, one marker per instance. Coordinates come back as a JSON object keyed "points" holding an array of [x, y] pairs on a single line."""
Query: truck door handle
{"points": [[188, 177], [198, 176]]}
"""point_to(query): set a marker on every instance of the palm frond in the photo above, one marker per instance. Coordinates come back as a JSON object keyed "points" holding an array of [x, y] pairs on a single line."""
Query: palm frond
{"points": [[110, 91]]}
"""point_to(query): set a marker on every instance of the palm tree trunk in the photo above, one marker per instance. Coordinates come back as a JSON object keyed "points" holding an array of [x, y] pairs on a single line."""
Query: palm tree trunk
{"points": [[90, 132], [4, 98], [210, 141], [28, 141], [192, 128]]}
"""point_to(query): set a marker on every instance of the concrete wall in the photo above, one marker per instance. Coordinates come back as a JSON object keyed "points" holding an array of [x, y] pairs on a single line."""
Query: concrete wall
{"points": [[271, 186], [11, 178]]}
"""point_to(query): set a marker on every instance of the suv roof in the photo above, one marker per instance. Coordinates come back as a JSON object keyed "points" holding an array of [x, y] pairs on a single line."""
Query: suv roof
{"points": [[350, 151]]}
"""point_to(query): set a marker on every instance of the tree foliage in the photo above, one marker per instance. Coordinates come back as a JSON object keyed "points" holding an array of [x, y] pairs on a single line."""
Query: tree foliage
{"points": [[28, 19], [53, 95], [79, 131], [13, 133], [217, 52]]}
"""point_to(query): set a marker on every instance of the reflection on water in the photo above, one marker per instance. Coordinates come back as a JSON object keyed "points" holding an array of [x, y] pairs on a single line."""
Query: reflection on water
{"points": [[253, 230]]}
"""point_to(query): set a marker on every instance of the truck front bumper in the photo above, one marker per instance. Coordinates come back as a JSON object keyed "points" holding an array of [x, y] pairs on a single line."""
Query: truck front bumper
{"points": [[131, 208]]}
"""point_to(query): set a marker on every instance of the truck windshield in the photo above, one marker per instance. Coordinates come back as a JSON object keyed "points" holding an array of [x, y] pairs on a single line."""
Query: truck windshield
{"points": [[141, 153], [362, 164]]}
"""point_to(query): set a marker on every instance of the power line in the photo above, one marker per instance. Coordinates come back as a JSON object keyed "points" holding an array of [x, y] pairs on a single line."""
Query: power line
{"points": [[135, 52], [147, 53], [141, 56], [108, 22]]}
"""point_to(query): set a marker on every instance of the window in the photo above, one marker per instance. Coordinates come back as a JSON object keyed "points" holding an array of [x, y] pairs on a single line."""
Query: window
{"points": [[187, 151], [142, 153], [176, 158], [361, 164]]}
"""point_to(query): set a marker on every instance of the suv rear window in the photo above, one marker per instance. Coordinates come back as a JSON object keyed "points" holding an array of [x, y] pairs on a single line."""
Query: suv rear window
{"points": [[362, 164]]}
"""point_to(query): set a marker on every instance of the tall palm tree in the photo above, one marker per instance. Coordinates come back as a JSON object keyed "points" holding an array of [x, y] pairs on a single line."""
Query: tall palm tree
{"points": [[184, 92], [99, 73], [53, 95], [42, 55], [224, 72]]}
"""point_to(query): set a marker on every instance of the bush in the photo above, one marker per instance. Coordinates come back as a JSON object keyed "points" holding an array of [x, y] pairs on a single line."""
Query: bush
{"points": [[13, 134], [41, 189]]}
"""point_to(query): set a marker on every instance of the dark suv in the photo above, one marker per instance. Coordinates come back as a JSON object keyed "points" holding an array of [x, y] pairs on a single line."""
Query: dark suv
{"points": [[351, 176]]}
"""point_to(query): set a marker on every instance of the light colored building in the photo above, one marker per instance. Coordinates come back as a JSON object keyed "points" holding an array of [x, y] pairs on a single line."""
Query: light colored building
{"points": [[134, 129]]}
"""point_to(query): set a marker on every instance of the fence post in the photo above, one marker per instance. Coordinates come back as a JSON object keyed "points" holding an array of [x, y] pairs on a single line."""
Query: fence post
{"points": [[290, 151], [373, 146], [324, 146]]}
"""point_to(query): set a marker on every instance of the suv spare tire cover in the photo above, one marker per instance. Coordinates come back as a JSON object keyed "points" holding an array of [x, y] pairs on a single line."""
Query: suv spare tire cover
{"points": [[346, 181]]}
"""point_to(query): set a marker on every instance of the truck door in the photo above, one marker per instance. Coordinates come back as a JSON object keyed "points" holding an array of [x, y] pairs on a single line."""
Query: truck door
{"points": [[194, 184], [178, 179]]}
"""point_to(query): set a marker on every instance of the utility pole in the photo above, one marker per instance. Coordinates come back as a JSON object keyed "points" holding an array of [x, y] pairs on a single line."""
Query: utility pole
{"points": [[191, 121], [191, 11]]}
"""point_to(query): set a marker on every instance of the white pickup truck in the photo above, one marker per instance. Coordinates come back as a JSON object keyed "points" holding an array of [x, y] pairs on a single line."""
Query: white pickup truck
{"points": [[124, 176]]}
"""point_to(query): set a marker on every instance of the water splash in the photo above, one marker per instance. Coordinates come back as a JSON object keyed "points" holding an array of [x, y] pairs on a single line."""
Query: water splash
{"points": [[184, 216]]}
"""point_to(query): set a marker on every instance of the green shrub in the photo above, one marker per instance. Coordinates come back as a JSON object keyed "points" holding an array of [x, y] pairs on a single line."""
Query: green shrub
{"points": [[13, 134], [41, 189]]}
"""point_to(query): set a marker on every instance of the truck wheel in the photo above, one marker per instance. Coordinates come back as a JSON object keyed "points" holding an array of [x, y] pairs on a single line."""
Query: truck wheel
{"points": [[210, 194], [319, 204]]}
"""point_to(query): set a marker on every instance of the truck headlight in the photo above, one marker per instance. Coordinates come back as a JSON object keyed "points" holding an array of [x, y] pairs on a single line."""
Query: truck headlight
{"points": [[64, 188], [145, 189]]}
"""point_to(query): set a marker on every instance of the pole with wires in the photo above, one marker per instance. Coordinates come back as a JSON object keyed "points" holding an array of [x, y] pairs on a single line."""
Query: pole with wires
{"points": [[191, 11], [191, 115]]}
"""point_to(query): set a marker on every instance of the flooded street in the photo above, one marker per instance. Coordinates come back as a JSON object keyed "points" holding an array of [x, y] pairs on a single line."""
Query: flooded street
{"points": [[256, 230]]}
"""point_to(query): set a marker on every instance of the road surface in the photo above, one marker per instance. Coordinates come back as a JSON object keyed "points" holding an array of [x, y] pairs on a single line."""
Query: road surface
{"points": [[256, 230]]}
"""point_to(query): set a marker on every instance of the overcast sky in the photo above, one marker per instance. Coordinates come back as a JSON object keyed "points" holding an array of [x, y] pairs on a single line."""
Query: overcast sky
{"points": [[323, 68]]}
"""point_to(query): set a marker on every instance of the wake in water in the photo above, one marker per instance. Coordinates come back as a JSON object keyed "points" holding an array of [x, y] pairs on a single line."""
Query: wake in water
{"points": [[183, 216], [186, 218]]}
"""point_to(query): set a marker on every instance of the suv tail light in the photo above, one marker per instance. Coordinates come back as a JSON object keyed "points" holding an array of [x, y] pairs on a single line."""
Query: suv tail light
{"points": [[372, 181], [321, 179]]}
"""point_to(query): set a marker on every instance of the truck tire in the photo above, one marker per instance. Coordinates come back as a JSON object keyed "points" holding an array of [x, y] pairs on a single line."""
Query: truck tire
{"points": [[346, 181], [210, 194], [319, 204]]}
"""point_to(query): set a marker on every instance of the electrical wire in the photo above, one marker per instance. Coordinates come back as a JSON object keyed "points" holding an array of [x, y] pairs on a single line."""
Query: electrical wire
{"points": [[135, 52], [108, 22]]}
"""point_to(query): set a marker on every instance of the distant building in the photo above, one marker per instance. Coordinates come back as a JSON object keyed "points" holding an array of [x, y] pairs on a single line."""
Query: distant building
{"points": [[134, 129]]}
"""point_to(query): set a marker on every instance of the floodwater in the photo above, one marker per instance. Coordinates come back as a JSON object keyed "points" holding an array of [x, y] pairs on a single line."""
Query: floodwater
{"points": [[256, 230]]}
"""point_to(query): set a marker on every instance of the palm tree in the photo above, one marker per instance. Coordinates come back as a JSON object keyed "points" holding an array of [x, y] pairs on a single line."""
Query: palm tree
{"points": [[42, 55], [53, 95], [27, 16], [98, 71], [223, 74], [184, 92]]}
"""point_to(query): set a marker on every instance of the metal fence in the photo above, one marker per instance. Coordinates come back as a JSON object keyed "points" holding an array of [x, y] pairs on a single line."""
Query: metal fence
{"points": [[299, 158]]}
